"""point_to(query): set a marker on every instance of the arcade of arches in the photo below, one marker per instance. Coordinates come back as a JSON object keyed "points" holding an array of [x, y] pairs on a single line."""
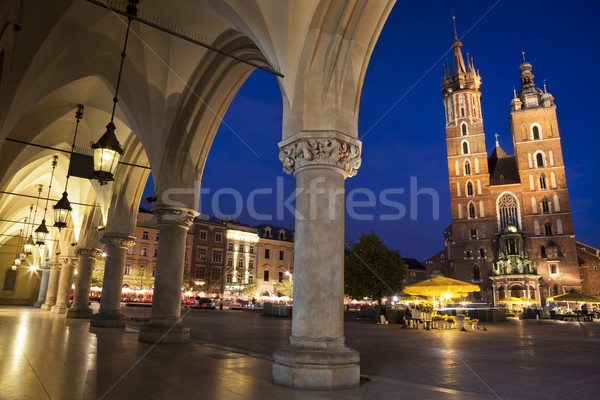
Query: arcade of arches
{"points": [[57, 55]]}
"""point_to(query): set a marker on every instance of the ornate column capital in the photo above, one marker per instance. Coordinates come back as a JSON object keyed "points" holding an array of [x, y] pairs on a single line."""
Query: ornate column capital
{"points": [[68, 260], [54, 265], [87, 252], [341, 152], [115, 239], [174, 215]]}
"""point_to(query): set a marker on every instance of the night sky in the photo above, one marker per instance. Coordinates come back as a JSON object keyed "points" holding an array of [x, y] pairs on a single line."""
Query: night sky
{"points": [[402, 122]]}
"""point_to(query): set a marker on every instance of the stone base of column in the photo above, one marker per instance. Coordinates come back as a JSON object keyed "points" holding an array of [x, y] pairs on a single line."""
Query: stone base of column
{"points": [[164, 331], [38, 304], [81, 313], [323, 369], [47, 306], [59, 309], [109, 320]]}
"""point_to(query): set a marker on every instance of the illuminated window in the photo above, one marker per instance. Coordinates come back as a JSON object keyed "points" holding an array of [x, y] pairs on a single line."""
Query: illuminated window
{"points": [[241, 248], [472, 210], [467, 167], [470, 191]]}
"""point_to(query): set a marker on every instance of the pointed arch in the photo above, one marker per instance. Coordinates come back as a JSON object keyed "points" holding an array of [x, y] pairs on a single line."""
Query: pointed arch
{"points": [[472, 211], [508, 211], [556, 203], [458, 189], [536, 227], [464, 130], [470, 190], [465, 147], [530, 159], [551, 157], [534, 205], [540, 159], [531, 182], [545, 205], [460, 211], [553, 179], [477, 165], [559, 227], [535, 131], [481, 209], [543, 182], [476, 273], [457, 167], [467, 167], [479, 187]]}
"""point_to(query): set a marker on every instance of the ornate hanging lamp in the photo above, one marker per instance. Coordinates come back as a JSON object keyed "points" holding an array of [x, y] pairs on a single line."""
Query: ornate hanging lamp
{"points": [[41, 233], [29, 243], [62, 209], [107, 150]]}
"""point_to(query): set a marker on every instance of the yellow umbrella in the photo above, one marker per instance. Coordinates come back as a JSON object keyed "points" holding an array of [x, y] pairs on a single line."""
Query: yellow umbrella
{"points": [[510, 300], [575, 297], [441, 286], [525, 300]]}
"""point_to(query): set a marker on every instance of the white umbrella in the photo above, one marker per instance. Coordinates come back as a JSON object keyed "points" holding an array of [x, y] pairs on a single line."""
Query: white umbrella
{"points": [[127, 290], [96, 289]]}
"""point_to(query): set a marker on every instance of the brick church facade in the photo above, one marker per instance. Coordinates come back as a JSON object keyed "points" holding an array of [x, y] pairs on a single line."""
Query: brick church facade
{"points": [[512, 231]]}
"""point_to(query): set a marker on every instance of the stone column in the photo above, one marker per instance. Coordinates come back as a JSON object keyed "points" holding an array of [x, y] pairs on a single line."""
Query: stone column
{"points": [[63, 295], [110, 314], [317, 357], [52, 286], [45, 269], [165, 324], [81, 298]]}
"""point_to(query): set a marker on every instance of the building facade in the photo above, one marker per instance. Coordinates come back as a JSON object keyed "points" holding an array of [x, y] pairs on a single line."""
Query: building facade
{"points": [[275, 258], [511, 232], [589, 267], [208, 256]]}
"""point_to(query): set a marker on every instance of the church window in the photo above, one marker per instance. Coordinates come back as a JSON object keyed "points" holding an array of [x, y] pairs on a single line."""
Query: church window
{"points": [[553, 269], [460, 211], [535, 132], [559, 227], [467, 167], [468, 254], [473, 234], [463, 128], [458, 189], [472, 210], [543, 182], [534, 205], [482, 253], [465, 147], [508, 213], [477, 165], [555, 290], [475, 108], [476, 273], [536, 227], [553, 179], [481, 209], [539, 158], [556, 203], [548, 228], [531, 182], [545, 205], [543, 252], [479, 187], [482, 230], [470, 189], [461, 100]]}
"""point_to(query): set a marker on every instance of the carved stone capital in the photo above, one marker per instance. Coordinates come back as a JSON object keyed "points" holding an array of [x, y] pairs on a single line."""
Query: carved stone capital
{"points": [[87, 252], [54, 265], [113, 239], [306, 152], [67, 261], [172, 215]]}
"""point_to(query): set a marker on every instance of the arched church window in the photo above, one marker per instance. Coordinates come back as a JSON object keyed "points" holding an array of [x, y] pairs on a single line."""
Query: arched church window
{"points": [[545, 205], [539, 158], [476, 273], [467, 167], [535, 130], [482, 253], [10, 279], [461, 100], [543, 252], [463, 128], [556, 203], [465, 147], [508, 213], [472, 210], [470, 189], [475, 107], [548, 228], [543, 184]]}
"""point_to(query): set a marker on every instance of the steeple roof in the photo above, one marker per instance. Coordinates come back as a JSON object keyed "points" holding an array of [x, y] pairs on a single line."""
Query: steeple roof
{"points": [[463, 75], [503, 168]]}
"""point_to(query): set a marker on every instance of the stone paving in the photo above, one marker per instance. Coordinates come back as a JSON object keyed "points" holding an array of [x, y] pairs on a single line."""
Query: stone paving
{"points": [[45, 356]]}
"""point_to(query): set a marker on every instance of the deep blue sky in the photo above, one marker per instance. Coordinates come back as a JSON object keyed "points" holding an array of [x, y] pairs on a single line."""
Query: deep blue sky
{"points": [[560, 40]]}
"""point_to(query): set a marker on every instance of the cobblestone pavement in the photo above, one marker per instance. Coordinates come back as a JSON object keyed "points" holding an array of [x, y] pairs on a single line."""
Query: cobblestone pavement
{"points": [[45, 356]]}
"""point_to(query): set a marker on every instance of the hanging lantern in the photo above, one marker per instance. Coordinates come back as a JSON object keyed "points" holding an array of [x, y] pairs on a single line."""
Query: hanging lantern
{"points": [[107, 153], [41, 234], [13, 267], [62, 210], [17, 261], [28, 246]]}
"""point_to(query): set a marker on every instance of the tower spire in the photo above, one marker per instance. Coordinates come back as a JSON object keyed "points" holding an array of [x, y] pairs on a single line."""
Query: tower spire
{"points": [[454, 23]]}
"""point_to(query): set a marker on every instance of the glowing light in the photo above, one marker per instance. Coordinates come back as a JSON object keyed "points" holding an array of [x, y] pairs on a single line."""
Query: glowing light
{"points": [[103, 254], [242, 236]]}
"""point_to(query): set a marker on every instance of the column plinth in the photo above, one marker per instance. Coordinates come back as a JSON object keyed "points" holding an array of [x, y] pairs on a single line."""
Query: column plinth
{"points": [[63, 295], [165, 325], [317, 357], [81, 298], [109, 314]]}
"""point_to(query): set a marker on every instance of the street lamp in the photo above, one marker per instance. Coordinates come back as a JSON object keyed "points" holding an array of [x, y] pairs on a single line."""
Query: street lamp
{"points": [[107, 150]]}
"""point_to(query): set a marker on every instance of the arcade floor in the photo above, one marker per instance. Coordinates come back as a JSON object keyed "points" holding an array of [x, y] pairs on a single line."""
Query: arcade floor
{"points": [[45, 356]]}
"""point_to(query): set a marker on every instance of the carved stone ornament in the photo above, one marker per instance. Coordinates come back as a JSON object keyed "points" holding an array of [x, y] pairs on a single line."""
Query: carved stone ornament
{"points": [[87, 252], [118, 240], [320, 151], [179, 216]]}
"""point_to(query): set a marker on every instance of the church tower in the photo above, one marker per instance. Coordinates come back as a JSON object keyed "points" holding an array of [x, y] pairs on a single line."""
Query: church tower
{"points": [[545, 210], [467, 164]]}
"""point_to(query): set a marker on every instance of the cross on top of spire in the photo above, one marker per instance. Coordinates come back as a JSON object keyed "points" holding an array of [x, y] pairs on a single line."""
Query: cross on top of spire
{"points": [[497, 142]]}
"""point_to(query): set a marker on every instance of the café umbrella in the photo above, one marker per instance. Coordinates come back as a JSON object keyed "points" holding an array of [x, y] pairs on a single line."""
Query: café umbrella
{"points": [[442, 287], [575, 297]]}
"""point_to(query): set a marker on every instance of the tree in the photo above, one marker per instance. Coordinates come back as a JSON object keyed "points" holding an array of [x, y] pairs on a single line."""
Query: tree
{"points": [[142, 278], [286, 287], [371, 270], [98, 273]]}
